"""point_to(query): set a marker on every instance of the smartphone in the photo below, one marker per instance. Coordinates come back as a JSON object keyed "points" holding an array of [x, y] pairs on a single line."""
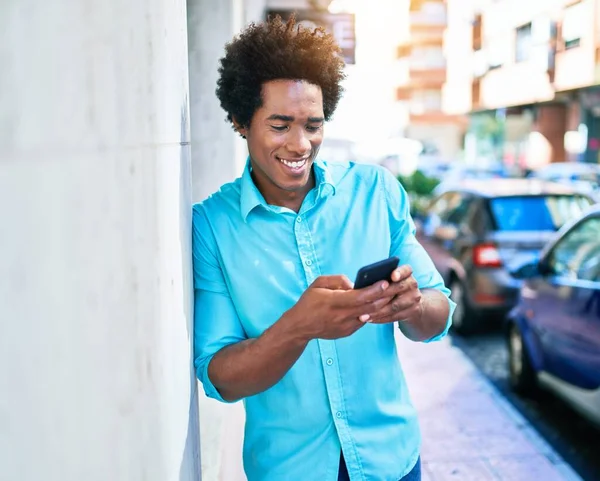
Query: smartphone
{"points": [[379, 271]]}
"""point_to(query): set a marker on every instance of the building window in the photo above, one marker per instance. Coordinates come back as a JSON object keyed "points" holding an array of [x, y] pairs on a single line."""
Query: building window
{"points": [[477, 32], [573, 21], [524, 43]]}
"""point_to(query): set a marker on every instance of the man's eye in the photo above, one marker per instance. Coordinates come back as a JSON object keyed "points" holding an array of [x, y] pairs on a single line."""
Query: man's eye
{"points": [[313, 128], [279, 128]]}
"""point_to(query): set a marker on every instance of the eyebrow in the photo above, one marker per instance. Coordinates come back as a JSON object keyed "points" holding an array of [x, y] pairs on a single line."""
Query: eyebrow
{"points": [[289, 118]]}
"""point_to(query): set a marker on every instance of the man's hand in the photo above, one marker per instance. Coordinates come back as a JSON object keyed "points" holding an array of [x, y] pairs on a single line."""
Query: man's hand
{"points": [[422, 314], [331, 309], [404, 299]]}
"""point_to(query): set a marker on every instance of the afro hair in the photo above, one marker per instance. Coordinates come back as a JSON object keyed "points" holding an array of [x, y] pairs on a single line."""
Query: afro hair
{"points": [[276, 50]]}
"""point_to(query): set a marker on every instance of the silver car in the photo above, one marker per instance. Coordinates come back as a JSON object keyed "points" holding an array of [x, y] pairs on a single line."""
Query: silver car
{"points": [[476, 229]]}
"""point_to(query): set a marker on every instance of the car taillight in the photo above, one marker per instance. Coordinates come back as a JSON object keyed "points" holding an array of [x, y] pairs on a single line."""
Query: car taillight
{"points": [[486, 255]]}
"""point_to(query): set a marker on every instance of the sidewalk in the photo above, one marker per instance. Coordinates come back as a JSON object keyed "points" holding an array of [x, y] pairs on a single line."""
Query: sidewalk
{"points": [[470, 432]]}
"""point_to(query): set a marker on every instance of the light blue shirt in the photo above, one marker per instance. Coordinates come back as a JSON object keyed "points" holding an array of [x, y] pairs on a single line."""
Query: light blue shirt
{"points": [[252, 262]]}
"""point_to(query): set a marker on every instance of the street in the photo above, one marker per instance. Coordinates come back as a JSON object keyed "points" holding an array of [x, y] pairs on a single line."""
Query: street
{"points": [[574, 438]]}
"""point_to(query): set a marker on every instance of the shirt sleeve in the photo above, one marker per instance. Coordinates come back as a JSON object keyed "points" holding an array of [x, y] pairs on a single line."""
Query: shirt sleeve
{"points": [[216, 322], [405, 245]]}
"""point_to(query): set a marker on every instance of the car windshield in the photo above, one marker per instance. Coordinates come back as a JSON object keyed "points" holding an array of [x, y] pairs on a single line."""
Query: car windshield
{"points": [[526, 213]]}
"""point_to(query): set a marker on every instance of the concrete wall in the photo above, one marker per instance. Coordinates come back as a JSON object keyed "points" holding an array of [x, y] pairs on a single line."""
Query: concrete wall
{"points": [[447, 137], [516, 83], [95, 291], [217, 152], [576, 67], [218, 156], [456, 93]]}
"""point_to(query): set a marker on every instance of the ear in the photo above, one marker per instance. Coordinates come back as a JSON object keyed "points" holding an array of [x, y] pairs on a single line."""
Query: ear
{"points": [[243, 131]]}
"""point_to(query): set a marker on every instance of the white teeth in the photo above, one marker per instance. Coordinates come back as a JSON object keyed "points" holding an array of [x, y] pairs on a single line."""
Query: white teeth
{"points": [[293, 165]]}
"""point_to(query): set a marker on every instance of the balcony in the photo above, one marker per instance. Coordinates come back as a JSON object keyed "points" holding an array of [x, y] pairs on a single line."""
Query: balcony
{"points": [[427, 77], [404, 93], [426, 19], [428, 13], [424, 32], [440, 117]]}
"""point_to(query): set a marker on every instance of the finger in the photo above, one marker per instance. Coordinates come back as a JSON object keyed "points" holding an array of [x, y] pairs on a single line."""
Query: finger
{"points": [[401, 273], [405, 285], [358, 299], [396, 316], [368, 309], [336, 282], [398, 308], [370, 294]]}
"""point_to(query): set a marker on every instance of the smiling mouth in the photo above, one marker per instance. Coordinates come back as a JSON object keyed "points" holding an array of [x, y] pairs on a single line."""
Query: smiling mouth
{"points": [[293, 164]]}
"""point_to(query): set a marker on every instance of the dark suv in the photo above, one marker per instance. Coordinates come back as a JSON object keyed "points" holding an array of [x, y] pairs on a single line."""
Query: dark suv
{"points": [[474, 230]]}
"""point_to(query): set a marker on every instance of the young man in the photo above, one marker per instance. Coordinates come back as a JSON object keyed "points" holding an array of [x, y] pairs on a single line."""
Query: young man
{"points": [[277, 321]]}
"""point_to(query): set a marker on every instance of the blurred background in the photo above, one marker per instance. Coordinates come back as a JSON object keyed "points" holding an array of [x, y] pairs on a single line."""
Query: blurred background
{"points": [[488, 113]]}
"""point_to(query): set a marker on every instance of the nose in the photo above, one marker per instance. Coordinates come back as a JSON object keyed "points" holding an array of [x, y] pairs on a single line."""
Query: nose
{"points": [[298, 143]]}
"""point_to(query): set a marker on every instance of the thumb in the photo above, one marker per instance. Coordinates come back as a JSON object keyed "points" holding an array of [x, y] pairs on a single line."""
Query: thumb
{"points": [[338, 282]]}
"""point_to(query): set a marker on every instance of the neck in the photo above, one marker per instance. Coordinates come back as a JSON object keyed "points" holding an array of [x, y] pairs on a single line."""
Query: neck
{"points": [[289, 199]]}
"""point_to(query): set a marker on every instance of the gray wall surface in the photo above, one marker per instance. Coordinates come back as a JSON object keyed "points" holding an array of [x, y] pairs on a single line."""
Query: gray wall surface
{"points": [[95, 284], [218, 152]]}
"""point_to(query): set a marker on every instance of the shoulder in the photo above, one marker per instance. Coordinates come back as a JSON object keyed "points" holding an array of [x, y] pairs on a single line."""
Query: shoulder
{"points": [[225, 201], [358, 173], [212, 218], [370, 178]]}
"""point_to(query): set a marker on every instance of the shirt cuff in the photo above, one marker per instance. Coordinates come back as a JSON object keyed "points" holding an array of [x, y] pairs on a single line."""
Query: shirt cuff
{"points": [[209, 388], [442, 334]]}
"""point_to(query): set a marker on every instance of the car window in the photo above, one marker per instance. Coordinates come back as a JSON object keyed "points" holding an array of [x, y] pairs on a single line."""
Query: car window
{"points": [[451, 208], [444, 203], [480, 221], [577, 255], [460, 211], [549, 212]]}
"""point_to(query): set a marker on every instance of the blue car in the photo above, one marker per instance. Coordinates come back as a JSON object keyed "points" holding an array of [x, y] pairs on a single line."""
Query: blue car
{"points": [[553, 334]]}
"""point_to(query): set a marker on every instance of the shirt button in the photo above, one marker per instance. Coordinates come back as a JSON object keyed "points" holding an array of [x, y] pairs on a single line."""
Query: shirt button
{"points": [[308, 262], [338, 415], [329, 362], [298, 219]]}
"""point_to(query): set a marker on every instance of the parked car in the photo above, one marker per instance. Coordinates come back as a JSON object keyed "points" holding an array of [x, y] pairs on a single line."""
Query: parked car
{"points": [[583, 176], [553, 333], [473, 230]]}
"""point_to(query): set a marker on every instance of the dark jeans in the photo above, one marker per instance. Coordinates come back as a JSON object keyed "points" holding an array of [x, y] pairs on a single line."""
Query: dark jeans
{"points": [[414, 475]]}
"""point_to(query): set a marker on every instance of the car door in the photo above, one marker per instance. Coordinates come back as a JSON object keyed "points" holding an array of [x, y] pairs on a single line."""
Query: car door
{"points": [[565, 306]]}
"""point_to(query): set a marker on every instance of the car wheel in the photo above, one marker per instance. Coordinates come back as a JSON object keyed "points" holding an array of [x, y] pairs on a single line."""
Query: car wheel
{"points": [[522, 375], [464, 320]]}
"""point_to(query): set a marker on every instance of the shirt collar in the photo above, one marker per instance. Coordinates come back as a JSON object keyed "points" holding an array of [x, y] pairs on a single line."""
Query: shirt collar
{"points": [[250, 196], [323, 179]]}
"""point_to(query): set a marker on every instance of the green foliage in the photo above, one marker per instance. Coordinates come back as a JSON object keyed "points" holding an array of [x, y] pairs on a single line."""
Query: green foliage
{"points": [[420, 191], [418, 183]]}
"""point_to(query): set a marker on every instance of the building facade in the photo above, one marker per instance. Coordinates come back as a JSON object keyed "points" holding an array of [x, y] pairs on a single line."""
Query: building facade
{"points": [[421, 88], [527, 75]]}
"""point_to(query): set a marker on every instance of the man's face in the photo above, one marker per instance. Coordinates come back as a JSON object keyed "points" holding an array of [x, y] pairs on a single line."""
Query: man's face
{"points": [[284, 137]]}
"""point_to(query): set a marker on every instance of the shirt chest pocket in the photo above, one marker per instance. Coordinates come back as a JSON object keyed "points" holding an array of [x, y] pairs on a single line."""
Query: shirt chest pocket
{"points": [[265, 279]]}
